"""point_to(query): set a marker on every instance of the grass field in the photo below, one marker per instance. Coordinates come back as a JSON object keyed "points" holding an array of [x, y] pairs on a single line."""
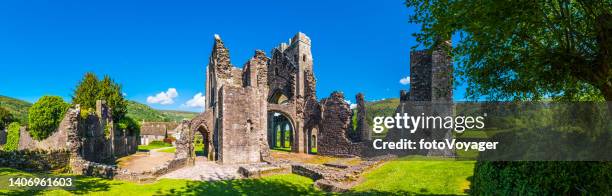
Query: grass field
{"points": [[407, 176], [419, 175], [153, 145], [287, 184]]}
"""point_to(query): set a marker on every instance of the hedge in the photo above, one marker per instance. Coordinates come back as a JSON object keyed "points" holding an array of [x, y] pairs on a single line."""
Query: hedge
{"points": [[542, 178], [12, 137]]}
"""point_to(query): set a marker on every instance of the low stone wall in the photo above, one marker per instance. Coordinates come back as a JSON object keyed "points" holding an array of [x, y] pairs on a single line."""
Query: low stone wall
{"points": [[36, 160], [81, 166], [150, 176], [262, 170]]}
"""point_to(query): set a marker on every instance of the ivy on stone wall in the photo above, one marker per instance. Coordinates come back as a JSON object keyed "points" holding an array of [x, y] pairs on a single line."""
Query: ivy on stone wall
{"points": [[12, 137]]}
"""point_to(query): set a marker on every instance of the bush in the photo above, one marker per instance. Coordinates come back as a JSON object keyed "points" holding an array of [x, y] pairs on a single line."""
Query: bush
{"points": [[542, 178], [5, 118], [45, 115], [12, 137], [130, 125], [169, 139]]}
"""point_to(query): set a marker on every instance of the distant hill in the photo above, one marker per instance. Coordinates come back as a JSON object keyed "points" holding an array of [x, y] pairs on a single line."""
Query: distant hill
{"points": [[18, 108], [178, 116], [384, 107], [137, 111], [140, 112]]}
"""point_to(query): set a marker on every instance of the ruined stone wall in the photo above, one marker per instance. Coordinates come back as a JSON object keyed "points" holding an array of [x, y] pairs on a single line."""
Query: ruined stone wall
{"points": [[420, 75], [336, 122], [363, 128], [430, 95], [239, 138], [99, 140]]}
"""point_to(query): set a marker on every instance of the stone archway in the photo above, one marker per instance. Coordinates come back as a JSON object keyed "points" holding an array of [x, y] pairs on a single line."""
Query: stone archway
{"points": [[281, 131], [312, 136], [205, 146]]}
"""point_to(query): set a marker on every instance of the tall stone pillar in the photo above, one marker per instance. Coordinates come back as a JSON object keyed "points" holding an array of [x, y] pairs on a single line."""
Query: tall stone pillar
{"points": [[282, 135]]}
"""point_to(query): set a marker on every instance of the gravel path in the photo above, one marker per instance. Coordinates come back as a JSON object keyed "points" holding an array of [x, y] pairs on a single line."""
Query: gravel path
{"points": [[205, 171]]}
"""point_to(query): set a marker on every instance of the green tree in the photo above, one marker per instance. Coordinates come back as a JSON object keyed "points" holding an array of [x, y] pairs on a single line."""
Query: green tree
{"points": [[111, 92], [87, 91], [90, 89], [524, 50], [528, 50], [131, 126], [45, 116], [5, 118], [12, 137]]}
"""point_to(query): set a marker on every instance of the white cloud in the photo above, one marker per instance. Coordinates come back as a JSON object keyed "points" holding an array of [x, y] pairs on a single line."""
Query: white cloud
{"points": [[405, 81], [198, 101], [352, 105], [164, 98]]}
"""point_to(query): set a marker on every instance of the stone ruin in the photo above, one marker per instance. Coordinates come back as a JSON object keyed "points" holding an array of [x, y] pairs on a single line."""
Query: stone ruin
{"points": [[247, 107], [431, 92], [97, 138]]}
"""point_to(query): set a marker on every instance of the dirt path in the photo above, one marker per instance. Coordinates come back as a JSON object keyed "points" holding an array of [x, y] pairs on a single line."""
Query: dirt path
{"points": [[145, 161]]}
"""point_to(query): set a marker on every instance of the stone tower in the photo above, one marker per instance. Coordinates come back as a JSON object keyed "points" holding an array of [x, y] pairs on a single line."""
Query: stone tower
{"points": [[430, 94]]}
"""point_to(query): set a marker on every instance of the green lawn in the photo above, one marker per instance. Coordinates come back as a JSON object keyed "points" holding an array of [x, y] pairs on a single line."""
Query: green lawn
{"points": [[406, 176], [285, 184], [153, 145], [419, 175]]}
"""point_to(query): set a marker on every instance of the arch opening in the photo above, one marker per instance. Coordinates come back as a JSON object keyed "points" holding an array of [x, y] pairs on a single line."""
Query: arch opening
{"points": [[312, 140], [280, 132], [202, 144]]}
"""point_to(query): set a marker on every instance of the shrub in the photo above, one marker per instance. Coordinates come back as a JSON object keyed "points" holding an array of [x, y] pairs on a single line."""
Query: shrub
{"points": [[45, 115], [130, 125], [5, 118], [169, 139], [542, 178], [12, 137]]}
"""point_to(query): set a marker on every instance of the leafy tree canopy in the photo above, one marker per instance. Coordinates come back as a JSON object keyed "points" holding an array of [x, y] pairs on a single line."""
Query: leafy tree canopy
{"points": [[45, 116], [90, 89], [524, 50]]}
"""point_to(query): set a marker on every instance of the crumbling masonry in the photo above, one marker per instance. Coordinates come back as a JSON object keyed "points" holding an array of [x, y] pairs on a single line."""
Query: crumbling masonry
{"points": [[247, 108]]}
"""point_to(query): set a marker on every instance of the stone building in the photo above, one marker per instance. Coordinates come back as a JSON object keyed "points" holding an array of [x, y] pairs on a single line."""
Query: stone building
{"points": [[156, 131], [269, 102]]}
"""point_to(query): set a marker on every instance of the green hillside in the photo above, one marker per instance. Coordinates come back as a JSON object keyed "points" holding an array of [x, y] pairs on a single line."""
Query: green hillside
{"points": [[140, 112], [178, 115], [18, 108], [384, 107]]}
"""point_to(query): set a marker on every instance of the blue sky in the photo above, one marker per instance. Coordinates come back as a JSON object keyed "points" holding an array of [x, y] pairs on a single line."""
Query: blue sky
{"points": [[151, 46]]}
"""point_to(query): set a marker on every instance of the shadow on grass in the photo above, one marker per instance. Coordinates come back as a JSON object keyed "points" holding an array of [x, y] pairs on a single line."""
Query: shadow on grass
{"points": [[81, 184], [399, 192], [242, 187]]}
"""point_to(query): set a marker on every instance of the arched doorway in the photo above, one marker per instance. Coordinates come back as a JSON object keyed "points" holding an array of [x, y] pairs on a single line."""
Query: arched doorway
{"points": [[312, 140], [280, 131], [202, 144]]}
